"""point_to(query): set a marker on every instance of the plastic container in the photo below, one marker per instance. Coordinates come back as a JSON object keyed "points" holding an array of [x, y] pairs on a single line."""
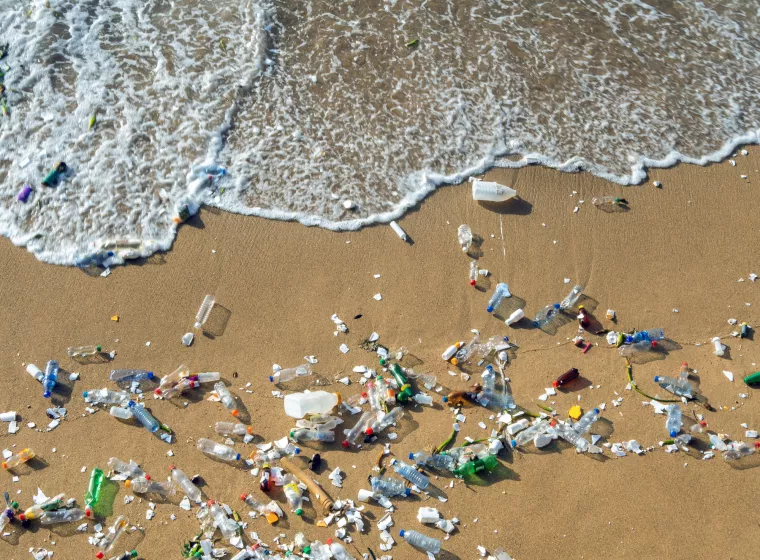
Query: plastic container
{"points": [[382, 422], [500, 292], [399, 231], [285, 375], [231, 428], [464, 236], [204, 311], [171, 379], [567, 433], [451, 351], [420, 541], [389, 487], [37, 510], [218, 450], [488, 191], [228, 401], [35, 372], [515, 317], [674, 420], [339, 551], [144, 417], [298, 405], [50, 379], [411, 474], [190, 489]]}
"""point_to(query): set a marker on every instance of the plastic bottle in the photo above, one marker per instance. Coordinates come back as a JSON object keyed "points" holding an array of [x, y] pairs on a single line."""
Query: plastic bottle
{"points": [[106, 396], [182, 386], [130, 469], [62, 516], [293, 494], [204, 311], [121, 413], [265, 478], [231, 428], [50, 379], [285, 375], [720, 348], [321, 422], [307, 434], [470, 468], [530, 432], [228, 527], [423, 542], [464, 236], [673, 423], [464, 353], [570, 375], [567, 433], [128, 555], [213, 170], [144, 417], [717, 443], [678, 386], [218, 450], [473, 275], [388, 487], [383, 393], [451, 351], [18, 459], [423, 399], [648, 335], [399, 231], [572, 298], [515, 317], [545, 316], [608, 201], [84, 351], [438, 461], [488, 191], [586, 421], [411, 474], [752, 378], [118, 375], [228, 401], [92, 497], [468, 452], [499, 293], [298, 405], [382, 422], [142, 485], [357, 431], [171, 379], [640, 347], [339, 551], [37, 510], [35, 372], [5, 518], [190, 489]]}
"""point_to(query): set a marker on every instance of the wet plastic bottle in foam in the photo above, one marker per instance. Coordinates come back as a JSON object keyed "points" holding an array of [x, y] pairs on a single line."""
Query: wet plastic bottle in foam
{"points": [[489, 191]]}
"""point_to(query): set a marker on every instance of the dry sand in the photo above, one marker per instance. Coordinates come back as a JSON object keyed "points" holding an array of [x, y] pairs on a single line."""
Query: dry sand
{"points": [[682, 247]]}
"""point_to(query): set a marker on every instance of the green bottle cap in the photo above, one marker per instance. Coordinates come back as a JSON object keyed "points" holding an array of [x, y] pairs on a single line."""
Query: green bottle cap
{"points": [[299, 512]]}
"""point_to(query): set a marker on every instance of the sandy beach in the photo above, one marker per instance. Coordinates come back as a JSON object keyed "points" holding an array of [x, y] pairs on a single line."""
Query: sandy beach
{"points": [[680, 259]]}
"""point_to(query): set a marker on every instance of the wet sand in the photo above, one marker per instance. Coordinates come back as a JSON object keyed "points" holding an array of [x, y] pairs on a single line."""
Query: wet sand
{"points": [[684, 247]]}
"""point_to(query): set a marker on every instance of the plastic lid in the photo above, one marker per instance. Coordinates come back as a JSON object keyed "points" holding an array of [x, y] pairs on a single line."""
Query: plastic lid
{"points": [[22, 517], [408, 491], [473, 282], [131, 403], [454, 361], [271, 378], [555, 384], [235, 413], [513, 443], [369, 431], [673, 433], [243, 496], [329, 541], [238, 457], [127, 483], [556, 306], [401, 533], [307, 549], [489, 309], [656, 378], [157, 391], [5, 465], [411, 455], [99, 555], [85, 393], [345, 444], [299, 511], [46, 394]]}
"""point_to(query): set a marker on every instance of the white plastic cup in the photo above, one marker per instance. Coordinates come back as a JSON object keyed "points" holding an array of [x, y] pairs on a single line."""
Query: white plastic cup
{"points": [[8, 416], [365, 495], [491, 192]]}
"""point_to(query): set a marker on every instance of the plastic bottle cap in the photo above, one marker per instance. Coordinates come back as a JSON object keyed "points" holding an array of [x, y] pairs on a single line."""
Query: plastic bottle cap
{"points": [[243, 496], [271, 378], [684, 364], [454, 361], [473, 282], [249, 429], [157, 391], [673, 433], [127, 483], [150, 375], [445, 399], [307, 549], [147, 477], [555, 384], [5, 465], [556, 306], [596, 410], [513, 443], [654, 344], [345, 444], [22, 517], [489, 309], [408, 491], [238, 457], [99, 555], [299, 511], [235, 413], [401, 533], [46, 394], [656, 378], [298, 450], [411, 455], [329, 541], [369, 431], [131, 404], [84, 394]]}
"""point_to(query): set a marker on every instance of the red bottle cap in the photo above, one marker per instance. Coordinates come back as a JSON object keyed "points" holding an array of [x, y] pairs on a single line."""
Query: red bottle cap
{"points": [[243, 496], [555, 384], [473, 282], [345, 444], [99, 555]]}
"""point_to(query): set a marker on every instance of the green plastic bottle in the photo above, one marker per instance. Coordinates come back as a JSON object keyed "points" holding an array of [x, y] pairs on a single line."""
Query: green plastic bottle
{"points": [[404, 389], [92, 498], [470, 468], [753, 378]]}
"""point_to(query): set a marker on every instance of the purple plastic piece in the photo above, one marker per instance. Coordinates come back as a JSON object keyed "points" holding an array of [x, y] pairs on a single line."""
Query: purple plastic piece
{"points": [[24, 193]]}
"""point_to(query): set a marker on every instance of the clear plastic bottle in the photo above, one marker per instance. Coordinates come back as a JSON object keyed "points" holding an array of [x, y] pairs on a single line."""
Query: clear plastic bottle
{"points": [[384, 393], [192, 491], [5, 518], [84, 351], [118, 375], [307, 434], [231, 428], [321, 422], [545, 316], [130, 469], [473, 273], [357, 431], [389, 487], [717, 443], [62, 516], [171, 379], [586, 421], [114, 532], [182, 386], [674, 421], [640, 347], [468, 452], [648, 335], [106, 396], [464, 354], [218, 450], [572, 298], [50, 378], [420, 541], [423, 399], [411, 474], [18, 459], [144, 417], [499, 293], [298, 405], [293, 494], [38, 510], [569, 434], [438, 461], [142, 485], [285, 375], [678, 386], [204, 311], [530, 432], [608, 201], [339, 551], [121, 413], [464, 236], [228, 527], [384, 421], [228, 401]]}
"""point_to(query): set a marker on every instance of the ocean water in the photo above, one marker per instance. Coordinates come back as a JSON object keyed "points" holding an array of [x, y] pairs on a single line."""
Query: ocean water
{"points": [[310, 103]]}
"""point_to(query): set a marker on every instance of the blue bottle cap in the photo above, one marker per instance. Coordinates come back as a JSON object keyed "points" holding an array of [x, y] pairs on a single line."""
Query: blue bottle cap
{"points": [[130, 404], [84, 394], [445, 399], [238, 457], [596, 410], [408, 492], [673, 433], [46, 394], [411, 455], [271, 378], [656, 378], [556, 306], [298, 450], [150, 375], [513, 443], [489, 309], [401, 532]]}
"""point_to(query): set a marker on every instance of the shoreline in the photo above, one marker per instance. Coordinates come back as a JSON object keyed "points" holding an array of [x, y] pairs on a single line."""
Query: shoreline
{"points": [[680, 247]]}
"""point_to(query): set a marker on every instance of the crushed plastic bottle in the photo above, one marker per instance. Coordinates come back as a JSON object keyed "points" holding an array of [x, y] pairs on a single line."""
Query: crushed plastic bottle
{"points": [[464, 236], [307, 434], [130, 469], [285, 375], [439, 461], [608, 201], [389, 487], [293, 494], [678, 386], [38, 510], [411, 474], [204, 311], [231, 428], [190, 489], [84, 351], [546, 315], [572, 298], [499, 293], [218, 450], [298, 405], [420, 541], [62, 516], [586, 421], [649, 335], [171, 379], [339, 551], [18, 459], [228, 527], [470, 468], [384, 421], [106, 396], [530, 432], [50, 379], [124, 375], [638, 348], [674, 422], [566, 432], [142, 485], [228, 401], [357, 431], [92, 497], [144, 417]]}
